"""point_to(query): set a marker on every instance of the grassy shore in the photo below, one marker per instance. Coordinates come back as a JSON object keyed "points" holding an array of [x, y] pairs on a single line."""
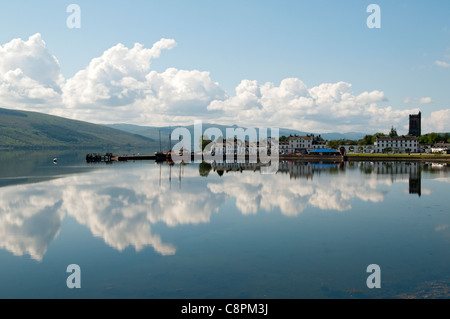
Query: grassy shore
{"points": [[370, 157], [401, 155]]}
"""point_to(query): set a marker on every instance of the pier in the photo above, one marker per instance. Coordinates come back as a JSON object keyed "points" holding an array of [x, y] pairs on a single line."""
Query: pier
{"points": [[94, 157], [125, 158]]}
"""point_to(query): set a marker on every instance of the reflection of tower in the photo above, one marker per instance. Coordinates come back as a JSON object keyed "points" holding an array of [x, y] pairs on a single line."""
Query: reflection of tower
{"points": [[415, 128], [415, 180]]}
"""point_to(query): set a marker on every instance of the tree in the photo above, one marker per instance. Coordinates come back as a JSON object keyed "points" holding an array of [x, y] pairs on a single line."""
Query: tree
{"points": [[334, 144], [432, 138], [393, 132], [366, 140], [378, 134], [204, 141]]}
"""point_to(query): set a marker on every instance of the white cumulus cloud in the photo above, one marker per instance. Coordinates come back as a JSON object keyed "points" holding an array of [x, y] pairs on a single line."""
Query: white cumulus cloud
{"points": [[29, 74], [120, 86], [328, 106], [426, 100], [115, 78], [442, 64], [121, 80], [422, 100], [437, 122]]}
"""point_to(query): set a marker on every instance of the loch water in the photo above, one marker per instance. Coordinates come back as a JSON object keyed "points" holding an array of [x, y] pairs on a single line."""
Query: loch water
{"points": [[148, 230]]}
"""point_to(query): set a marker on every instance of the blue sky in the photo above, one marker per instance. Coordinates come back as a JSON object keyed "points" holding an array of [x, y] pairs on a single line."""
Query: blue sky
{"points": [[317, 42]]}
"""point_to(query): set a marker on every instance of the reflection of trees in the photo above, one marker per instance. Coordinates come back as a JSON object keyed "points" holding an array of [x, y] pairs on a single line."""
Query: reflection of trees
{"points": [[307, 170], [204, 168]]}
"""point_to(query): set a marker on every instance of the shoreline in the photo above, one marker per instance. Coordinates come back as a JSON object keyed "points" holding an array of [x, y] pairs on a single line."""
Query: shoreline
{"points": [[369, 158], [322, 158]]}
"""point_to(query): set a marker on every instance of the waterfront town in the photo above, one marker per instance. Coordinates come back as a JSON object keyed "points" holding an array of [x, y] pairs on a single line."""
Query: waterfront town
{"points": [[391, 143], [241, 147]]}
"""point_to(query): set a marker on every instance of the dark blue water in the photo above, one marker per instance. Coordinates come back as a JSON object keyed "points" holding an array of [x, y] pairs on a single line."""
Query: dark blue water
{"points": [[144, 230]]}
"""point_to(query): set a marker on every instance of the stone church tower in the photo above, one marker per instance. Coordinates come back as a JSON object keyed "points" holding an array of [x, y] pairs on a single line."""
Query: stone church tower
{"points": [[415, 128]]}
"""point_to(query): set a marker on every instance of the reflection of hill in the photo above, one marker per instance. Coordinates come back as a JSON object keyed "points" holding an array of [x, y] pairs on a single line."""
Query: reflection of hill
{"points": [[22, 167]]}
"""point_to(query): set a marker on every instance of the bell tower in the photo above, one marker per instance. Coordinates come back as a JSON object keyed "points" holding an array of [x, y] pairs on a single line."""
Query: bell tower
{"points": [[415, 125]]}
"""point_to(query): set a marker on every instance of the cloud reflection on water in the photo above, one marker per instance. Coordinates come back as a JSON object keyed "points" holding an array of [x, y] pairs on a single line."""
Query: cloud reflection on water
{"points": [[121, 205]]}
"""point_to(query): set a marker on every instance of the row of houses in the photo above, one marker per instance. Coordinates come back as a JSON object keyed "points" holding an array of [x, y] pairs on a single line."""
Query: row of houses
{"points": [[386, 144], [441, 148], [398, 144], [310, 143], [295, 144]]}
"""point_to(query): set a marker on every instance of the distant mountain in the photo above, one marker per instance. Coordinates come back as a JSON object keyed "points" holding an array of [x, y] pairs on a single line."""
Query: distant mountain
{"points": [[348, 136], [23, 129], [153, 132]]}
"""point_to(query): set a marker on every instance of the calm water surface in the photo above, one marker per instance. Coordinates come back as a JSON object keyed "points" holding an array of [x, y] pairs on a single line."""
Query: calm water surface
{"points": [[144, 230]]}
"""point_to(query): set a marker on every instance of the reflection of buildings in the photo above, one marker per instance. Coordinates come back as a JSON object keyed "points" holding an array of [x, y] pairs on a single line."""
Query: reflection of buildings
{"points": [[295, 169], [236, 166], [305, 170], [412, 170], [415, 182]]}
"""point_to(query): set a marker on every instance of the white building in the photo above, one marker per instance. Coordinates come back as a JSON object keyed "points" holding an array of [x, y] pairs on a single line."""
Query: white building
{"points": [[298, 144], [284, 147], [231, 147], [441, 148], [397, 144]]}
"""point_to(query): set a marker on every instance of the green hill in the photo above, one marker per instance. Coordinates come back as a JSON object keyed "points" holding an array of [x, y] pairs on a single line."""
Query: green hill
{"points": [[23, 129]]}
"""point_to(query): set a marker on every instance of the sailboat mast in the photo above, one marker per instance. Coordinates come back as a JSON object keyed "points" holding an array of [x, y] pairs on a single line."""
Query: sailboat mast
{"points": [[170, 140]]}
